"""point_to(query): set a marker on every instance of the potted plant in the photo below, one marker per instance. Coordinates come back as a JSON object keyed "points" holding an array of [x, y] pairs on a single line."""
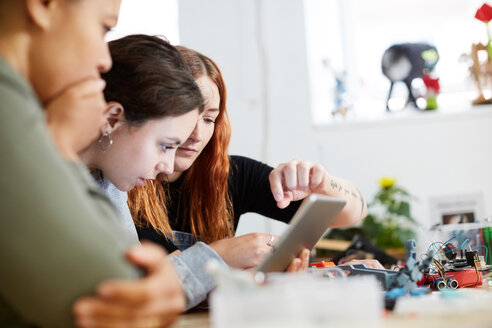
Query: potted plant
{"points": [[389, 223]]}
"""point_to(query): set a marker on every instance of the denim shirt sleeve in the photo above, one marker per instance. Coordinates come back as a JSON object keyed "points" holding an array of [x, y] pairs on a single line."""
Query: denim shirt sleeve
{"points": [[190, 265]]}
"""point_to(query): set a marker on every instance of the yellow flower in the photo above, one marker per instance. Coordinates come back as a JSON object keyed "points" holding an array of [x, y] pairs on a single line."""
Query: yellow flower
{"points": [[387, 182]]}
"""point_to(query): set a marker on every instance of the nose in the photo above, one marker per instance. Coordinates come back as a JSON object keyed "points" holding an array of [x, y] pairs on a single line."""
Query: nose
{"points": [[196, 134], [104, 62], [166, 166]]}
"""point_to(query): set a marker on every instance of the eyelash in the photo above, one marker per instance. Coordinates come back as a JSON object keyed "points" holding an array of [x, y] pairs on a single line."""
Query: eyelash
{"points": [[166, 147], [209, 120]]}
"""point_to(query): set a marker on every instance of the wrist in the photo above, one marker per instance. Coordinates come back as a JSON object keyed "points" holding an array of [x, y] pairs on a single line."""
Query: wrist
{"points": [[329, 185]]}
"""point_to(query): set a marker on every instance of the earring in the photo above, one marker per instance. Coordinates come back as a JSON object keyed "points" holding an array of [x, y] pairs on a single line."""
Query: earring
{"points": [[103, 144]]}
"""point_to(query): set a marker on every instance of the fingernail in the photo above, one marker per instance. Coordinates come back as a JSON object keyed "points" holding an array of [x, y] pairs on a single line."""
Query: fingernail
{"points": [[278, 197]]}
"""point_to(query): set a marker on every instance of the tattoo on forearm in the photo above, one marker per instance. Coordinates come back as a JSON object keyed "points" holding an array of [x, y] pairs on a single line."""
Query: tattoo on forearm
{"points": [[333, 184], [362, 203], [338, 187]]}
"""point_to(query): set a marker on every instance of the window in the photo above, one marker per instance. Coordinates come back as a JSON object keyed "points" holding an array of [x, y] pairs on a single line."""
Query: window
{"points": [[347, 38]]}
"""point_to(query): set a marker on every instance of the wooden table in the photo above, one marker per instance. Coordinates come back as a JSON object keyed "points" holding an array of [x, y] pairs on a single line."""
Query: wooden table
{"points": [[483, 320], [193, 320]]}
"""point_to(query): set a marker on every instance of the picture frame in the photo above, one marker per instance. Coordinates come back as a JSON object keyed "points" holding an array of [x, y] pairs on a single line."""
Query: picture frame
{"points": [[457, 208]]}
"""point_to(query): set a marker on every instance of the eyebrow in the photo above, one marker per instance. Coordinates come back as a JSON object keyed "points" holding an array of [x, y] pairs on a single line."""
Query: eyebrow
{"points": [[212, 110]]}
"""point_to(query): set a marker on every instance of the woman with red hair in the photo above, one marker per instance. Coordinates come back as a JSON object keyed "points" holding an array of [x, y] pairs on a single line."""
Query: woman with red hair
{"points": [[195, 210], [209, 190]]}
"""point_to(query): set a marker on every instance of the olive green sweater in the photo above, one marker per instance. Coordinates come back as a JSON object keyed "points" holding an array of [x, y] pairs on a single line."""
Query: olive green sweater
{"points": [[59, 236]]}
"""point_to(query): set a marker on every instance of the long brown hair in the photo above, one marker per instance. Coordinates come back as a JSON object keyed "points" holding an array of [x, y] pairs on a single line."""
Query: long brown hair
{"points": [[204, 193]]}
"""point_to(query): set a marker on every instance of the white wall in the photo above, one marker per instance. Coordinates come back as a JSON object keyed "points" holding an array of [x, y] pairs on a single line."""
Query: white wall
{"points": [[431, 154], [154, 17], [267, 85], [269, 104], [261, 51]]}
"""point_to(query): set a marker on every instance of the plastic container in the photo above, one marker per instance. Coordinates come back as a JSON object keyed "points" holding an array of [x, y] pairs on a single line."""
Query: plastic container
{"points": [[300, 300]]}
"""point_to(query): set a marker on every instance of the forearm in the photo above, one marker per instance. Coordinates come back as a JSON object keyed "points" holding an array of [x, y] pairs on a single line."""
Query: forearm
{"points": [[355, 209]]}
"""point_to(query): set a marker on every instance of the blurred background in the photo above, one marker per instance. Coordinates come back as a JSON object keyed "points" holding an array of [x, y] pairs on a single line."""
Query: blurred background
{"points": [[304, 81]]}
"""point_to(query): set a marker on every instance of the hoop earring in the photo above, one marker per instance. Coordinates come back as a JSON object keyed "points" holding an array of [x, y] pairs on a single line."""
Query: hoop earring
{"points": [[105, 145]]}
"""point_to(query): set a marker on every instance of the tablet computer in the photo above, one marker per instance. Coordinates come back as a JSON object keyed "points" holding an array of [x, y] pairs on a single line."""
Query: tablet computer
{"points": [[307, 226]]}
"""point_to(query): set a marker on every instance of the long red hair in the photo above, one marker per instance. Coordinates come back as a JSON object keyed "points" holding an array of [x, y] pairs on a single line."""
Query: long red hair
{"points": [[204, 193]]}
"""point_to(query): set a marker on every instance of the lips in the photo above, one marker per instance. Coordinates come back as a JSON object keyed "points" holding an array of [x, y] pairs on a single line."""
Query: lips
{"points": [[187, 152], [187, 149]]}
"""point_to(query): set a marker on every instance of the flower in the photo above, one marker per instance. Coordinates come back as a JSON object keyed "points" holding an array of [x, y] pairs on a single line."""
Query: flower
{"points": [[484, 13], [387, 182]]}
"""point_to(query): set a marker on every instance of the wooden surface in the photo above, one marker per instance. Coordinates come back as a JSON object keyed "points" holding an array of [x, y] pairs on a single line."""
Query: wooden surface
{"points": [[333, 245], [481, 320], [193, 320]]}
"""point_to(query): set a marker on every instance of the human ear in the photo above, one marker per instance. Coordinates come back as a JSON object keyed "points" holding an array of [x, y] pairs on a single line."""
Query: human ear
{"points": [[114, 114], [41, 12]]}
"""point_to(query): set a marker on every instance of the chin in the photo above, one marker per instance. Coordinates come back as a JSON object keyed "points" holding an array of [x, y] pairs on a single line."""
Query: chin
{"points": [[182, 166], [124, 188]]}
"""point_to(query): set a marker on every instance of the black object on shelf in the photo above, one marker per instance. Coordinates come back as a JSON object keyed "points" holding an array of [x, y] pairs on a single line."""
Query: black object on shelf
{"points": [[404, 63]]}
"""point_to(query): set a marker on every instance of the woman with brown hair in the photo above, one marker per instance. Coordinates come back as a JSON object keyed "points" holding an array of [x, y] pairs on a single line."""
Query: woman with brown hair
{"points": [[153, 106], [209, 190]]}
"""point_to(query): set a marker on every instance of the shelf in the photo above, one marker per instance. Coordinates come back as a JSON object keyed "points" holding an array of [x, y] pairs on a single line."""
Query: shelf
{"points": [[450, 108]]}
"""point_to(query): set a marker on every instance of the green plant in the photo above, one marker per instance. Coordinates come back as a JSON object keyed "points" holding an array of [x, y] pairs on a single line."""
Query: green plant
{"points": [[389, 223]]}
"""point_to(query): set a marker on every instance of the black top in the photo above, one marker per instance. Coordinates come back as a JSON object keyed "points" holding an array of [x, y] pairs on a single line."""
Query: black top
{"points": [[249, 190]]}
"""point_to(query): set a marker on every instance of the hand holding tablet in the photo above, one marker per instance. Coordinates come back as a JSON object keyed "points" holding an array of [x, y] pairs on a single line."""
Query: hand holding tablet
{"points": [[308, 225]]}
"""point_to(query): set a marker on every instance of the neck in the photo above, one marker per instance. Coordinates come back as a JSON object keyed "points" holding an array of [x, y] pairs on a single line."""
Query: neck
{"points": [[14, 48], [15, 37], [89, 156]]}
